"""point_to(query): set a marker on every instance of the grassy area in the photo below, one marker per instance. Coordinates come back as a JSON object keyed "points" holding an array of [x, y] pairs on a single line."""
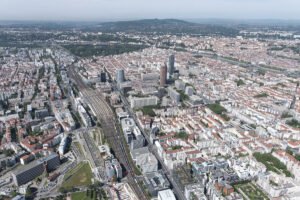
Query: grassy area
{"points": [[251, 191], [98, 136], [102, 138], [79, 147], [272, 163], [90, 194], [94, 136], [148, 110], [81, 196], [217, 108], [81, 175]]}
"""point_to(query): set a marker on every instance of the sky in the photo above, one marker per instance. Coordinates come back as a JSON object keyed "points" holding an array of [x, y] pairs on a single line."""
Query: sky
{"points": [[106, 10]]}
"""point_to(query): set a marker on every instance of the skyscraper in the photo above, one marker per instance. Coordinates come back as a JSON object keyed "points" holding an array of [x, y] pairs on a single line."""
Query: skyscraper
{"points": [[163, 75], [120, 76], [103, 77], [171, 64]]}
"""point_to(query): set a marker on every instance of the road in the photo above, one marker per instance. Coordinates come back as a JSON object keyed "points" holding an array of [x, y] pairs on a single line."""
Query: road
{"points": [[241, 64], [109, 126]]}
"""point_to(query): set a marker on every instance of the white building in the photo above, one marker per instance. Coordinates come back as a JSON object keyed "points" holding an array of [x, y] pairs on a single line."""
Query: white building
{"points": [[179, 85], [189, 90], [145, 160], [174, 95], [166, 195], [279, 186], [139, 102], [84, 116], [63, 145], [292, 164], [196, 190], [65, 119], [132, 133], [109, 169]]}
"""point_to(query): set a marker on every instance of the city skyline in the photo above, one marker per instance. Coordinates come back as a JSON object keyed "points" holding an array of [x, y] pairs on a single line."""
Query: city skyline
{"points": [[143, 100], [104, 10]]}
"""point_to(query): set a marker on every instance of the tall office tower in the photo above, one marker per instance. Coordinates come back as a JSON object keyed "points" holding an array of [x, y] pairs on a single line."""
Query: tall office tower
{"points": [[163, 75], [120, 76], [103, 77], [171, 64]]}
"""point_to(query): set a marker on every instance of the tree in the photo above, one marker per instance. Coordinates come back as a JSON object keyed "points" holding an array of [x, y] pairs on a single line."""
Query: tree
{"points": [[114, 178], [29, 193], [286, 115], [239, 82], [63, 190], [13, 132], [4, 104], [261, 72], [8, 152], [181, 135], [293, 123]]}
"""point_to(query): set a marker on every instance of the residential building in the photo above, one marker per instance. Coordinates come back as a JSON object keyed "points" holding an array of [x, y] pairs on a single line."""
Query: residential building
{"points": [[155, 182], [35, 169], [180, 85], [174, 95], [194, 191], [189, 90]]}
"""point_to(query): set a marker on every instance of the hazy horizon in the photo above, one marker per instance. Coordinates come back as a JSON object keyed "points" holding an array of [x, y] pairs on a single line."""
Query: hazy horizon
{"points": [[112, 10]]}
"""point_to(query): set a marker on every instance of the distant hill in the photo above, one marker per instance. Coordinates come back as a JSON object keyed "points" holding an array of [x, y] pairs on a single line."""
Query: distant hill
{"points": [[146, 22], [164, 26]]}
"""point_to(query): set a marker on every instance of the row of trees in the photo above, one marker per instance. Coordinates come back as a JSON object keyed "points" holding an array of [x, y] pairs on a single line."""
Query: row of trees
{"points": [[102, 50], [272, 163]]}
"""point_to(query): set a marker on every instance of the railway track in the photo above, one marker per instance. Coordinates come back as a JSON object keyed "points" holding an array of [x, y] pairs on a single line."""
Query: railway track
{"points": [[110, 129]]}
